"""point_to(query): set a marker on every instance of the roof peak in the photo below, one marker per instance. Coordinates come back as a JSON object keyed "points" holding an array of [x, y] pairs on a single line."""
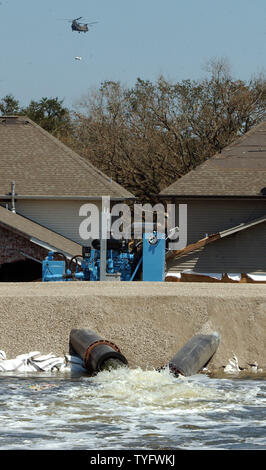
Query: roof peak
{"points": [[43, 165], [238, 170]]}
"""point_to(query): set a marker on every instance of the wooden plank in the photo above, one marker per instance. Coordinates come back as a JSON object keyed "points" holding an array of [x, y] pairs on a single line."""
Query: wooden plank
{"points": [[193, 246]]}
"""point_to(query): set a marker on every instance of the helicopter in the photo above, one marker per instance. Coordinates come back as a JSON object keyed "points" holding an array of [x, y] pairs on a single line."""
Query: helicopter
{"points": [[80, 27]]}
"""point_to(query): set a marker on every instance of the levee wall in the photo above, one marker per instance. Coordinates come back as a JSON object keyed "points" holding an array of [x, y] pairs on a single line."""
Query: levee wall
{"points": [[149, 322]]}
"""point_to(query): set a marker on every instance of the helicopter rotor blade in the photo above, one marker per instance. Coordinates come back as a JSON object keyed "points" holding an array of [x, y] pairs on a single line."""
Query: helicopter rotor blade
{"points": [[89, 24], [70, 19], [87, 20]]}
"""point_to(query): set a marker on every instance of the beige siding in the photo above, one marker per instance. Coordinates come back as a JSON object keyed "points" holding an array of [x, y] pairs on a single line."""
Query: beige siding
{"points": [[60, 216], [242, 252]]}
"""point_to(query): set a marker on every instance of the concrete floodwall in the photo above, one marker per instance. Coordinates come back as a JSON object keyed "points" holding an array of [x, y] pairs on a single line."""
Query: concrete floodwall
{"points": [[149, 322]]}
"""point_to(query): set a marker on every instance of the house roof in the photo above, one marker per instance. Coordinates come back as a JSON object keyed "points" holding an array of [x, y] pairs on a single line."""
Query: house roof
{"points": [[239, 170], [41, 166], [215, 236], [38, 234]]}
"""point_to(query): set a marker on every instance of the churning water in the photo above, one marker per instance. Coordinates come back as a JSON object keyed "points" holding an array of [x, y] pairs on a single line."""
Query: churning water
{"points": [[131, 409]]}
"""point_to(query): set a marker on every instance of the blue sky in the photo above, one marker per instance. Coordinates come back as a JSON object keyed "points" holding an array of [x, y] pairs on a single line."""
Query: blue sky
{"points": [[139, 38]]}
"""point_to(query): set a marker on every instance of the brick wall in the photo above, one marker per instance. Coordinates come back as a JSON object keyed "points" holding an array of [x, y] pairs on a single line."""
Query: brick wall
{"points": [[12, 244]]}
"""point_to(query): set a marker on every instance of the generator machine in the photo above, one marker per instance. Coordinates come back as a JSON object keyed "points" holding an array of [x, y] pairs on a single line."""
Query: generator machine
{"points": [[111, 260]]}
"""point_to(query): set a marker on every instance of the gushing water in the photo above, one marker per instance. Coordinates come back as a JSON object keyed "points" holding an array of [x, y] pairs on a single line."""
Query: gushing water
{"points": [[131, 409]]}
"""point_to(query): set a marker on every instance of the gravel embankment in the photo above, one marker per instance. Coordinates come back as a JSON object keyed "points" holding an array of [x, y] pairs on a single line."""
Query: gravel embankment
{"points": [[149, 322]]}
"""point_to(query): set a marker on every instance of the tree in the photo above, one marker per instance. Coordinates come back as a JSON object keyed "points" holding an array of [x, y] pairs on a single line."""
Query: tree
{"points": [[50, 114], [9, 106], [149, 135]]}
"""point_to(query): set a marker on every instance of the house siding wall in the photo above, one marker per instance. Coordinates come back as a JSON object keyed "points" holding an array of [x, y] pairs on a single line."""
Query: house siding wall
{"points": [[243, 252], [60, 216]]}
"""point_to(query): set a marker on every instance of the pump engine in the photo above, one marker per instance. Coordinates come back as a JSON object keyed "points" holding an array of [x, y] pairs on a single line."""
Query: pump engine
{"points": [[125, 261]]}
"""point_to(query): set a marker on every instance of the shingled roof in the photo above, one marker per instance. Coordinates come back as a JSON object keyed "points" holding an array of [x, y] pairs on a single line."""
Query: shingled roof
{"points": [[41, 166], [38, 234], [239, 170]]}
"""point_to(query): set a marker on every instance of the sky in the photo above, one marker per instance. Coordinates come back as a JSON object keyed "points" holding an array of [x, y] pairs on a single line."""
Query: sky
{"points": [[137, 38]]}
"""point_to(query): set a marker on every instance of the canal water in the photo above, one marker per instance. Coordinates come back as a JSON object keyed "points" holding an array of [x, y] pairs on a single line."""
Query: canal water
{"points": [[127, 409]]}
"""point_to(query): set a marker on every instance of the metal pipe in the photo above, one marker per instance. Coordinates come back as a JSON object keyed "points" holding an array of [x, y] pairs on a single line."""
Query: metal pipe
{"points": [[13, 206], [30, 257], [136, 269], [105, 228], [103, 254], [97, 354], [195, 354]]}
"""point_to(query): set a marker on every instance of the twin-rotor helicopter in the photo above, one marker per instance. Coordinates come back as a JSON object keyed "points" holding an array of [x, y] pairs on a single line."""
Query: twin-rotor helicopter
{"points": [[78, 26]]}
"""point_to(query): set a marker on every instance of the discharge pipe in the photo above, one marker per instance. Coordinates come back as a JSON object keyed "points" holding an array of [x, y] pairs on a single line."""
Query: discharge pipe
{"points": [[97, 353], [195, 354]]}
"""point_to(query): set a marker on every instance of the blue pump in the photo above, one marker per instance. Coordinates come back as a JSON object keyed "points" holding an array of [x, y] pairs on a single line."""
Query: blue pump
{"points": [[89, 267], [121, 263]]}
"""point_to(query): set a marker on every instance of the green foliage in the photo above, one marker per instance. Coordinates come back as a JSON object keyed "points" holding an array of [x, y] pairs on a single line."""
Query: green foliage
{"points": [[48, 113], [9, 106]]}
